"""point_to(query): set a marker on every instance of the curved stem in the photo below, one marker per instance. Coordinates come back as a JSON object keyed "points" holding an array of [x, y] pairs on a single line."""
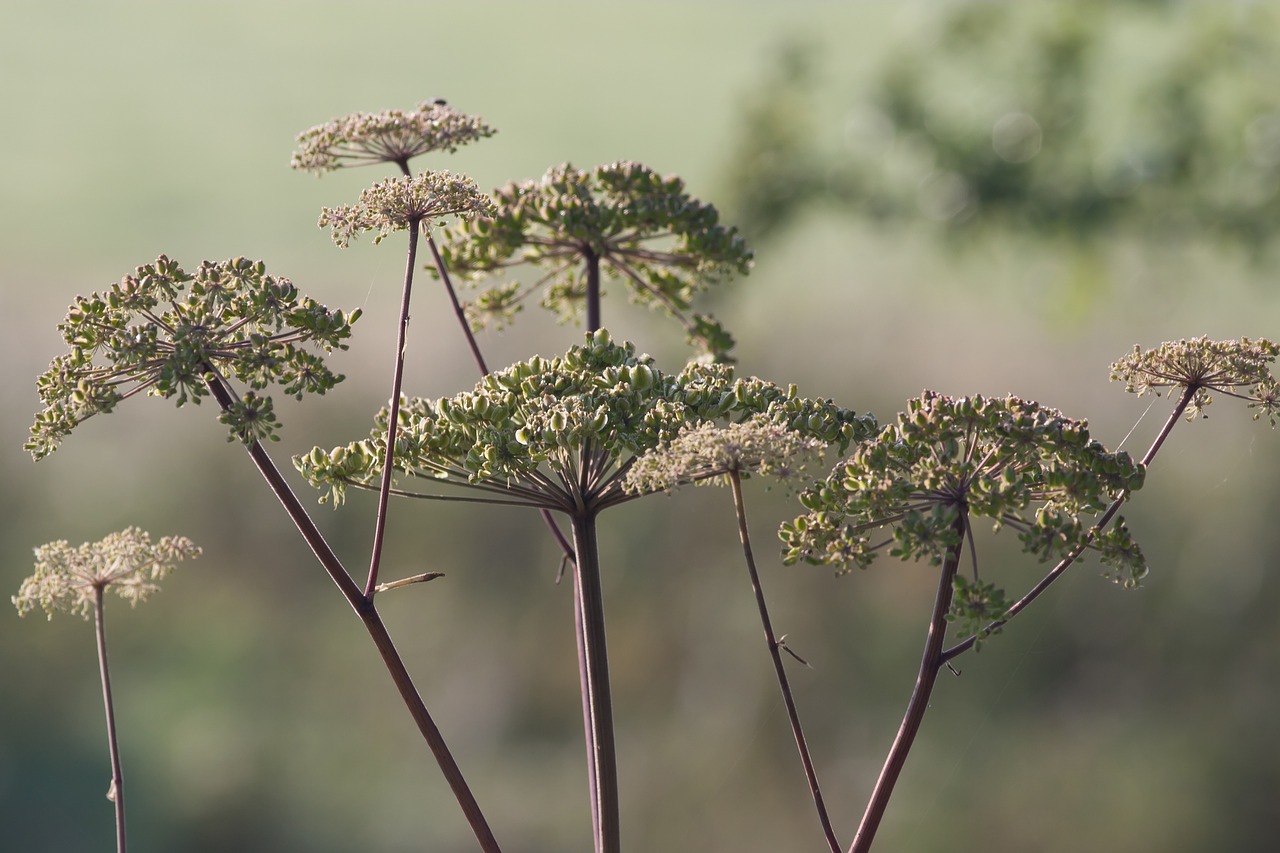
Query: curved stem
{"points": [[597, 699], [930, 662], [793, 716], [1067, 561], [116, 794], [372, 620], [393, 418]]}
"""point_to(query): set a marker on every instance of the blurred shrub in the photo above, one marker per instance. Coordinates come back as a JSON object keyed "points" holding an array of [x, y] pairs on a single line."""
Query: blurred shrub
{"points": [[1082, 120]]}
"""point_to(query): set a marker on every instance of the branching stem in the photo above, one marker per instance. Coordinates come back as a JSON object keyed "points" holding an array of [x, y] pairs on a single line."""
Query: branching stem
{"points": [[372, 621], [930, 663], [1057, 571]]}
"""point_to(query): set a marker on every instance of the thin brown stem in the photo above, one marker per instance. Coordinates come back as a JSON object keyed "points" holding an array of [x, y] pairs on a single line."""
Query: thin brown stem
{"points": [[393, 418], [448, 286], [566, 547], [1067, 561], [793, 716], [588, 726], [372, 621], [930, 662], [458, 310], [474, 346], [116, 794]]}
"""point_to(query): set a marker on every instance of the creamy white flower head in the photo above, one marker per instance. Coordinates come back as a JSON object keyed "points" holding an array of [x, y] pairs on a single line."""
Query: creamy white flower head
{"points": [[71, 578], [397, 203], [393, 136], [704, 453]]}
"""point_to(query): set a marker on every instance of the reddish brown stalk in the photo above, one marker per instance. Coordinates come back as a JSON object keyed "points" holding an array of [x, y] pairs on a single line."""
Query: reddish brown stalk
{"points": [[393, 419], [593, 288], [793, 716], [449, 289], [457, 305], [598, 708], [930, 662], [372, 621], [566, 547], [1067, 561]]}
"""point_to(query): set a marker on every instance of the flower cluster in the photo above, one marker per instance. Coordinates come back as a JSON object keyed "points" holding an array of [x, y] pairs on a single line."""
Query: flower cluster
{"points": [[705, 452], [394, 136], [1014, 462], [398, 204], [163, 331], [623, 219], [1240, 369], [561, 433], [70, 579], [977, 605]]}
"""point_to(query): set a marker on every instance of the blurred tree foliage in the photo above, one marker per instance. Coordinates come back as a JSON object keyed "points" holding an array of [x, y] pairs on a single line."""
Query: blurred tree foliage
{"points": [[1081, 121]]}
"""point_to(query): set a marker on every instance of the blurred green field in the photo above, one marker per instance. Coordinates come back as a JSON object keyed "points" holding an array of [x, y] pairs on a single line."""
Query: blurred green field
{"points": [[253, 714]]}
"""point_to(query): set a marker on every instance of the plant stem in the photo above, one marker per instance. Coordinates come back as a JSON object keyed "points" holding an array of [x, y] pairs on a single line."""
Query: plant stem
{"points": [[457, 305], [1067, 561], [565, 546], [589, 634], [593, 288], [588, 728], [113, 745], [930, 662], [597, 698], [735, 481], [393, 418], [589, 659], [448, 287], [372, 621]]}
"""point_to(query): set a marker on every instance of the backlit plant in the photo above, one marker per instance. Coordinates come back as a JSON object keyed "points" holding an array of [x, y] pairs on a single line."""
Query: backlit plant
{"points": [[621, 220], [76, 580], [574, 435]]}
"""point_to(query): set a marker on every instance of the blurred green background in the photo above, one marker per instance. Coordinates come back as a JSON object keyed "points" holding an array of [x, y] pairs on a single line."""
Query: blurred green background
{"points": [[894, 253]]}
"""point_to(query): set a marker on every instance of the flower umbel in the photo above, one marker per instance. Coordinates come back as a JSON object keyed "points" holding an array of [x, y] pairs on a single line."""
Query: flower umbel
{"points": [[397, 204], [704, 453], [163, 330], [126, 562], [562, 433], [393, 136], [1240, 369], [621, 219], [1012, 461]]}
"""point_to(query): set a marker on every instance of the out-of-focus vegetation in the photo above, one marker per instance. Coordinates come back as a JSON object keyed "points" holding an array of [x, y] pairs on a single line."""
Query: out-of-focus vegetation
{"points": [[1078, 121], [1099, 720]]}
